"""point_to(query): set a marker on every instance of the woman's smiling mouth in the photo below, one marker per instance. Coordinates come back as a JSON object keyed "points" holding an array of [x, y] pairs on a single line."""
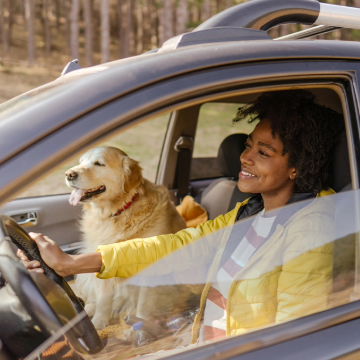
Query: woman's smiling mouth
{"points": [[246, 175]]}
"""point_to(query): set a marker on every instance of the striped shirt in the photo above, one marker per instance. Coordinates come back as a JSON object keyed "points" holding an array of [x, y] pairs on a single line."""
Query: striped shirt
{"points": [[214, 325]]}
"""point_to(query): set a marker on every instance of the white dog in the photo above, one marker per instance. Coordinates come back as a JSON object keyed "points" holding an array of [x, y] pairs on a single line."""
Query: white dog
{"points": [[118, 205]]}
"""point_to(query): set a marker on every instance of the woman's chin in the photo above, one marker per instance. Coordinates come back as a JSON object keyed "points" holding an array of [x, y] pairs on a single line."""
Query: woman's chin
{"points": [[245, 187]]}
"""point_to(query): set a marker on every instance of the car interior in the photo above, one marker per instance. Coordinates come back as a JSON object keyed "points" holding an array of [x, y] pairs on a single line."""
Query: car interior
{"points": [[209, 173], [228, 165]]}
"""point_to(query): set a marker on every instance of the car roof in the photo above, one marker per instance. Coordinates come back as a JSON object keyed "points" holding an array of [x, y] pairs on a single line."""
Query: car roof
{"points": [[64, 104]]}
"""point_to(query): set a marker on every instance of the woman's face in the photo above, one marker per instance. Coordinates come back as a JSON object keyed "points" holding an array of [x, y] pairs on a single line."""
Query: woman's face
{"points": [[263, 167]]}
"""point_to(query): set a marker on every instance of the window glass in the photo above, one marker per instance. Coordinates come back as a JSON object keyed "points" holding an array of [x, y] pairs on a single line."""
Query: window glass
{"points": [[214, 125], [304, 265], [142, 142]]}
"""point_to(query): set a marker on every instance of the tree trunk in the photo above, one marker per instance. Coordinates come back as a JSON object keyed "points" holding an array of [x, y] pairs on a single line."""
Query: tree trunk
{"points": [[182, 17], [88, 33], [105, 31], [130, 25], [124, 28], [146, 27], [127, 33], [67, 5], [206, 10], [120, 26], [139, 28], [166, 21], [30, 12], [4, 37], [228, 3], [58, 14], [74, 27], [153, 23], [22, 8], [10, 7], [47, 28]]}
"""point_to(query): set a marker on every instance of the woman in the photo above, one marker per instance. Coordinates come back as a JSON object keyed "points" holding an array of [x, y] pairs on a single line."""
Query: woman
{"points": [[286, 160]]}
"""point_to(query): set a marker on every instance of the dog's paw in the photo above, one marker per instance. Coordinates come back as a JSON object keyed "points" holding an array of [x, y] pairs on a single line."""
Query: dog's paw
{"points": [[100, 322], [90, 309]]}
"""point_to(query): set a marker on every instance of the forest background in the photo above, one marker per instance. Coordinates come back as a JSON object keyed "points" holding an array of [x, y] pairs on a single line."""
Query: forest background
{"points": [[39, 37]]}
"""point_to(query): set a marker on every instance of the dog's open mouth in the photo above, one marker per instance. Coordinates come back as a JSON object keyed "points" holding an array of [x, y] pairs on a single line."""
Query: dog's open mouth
{"points": [[82, 195]]}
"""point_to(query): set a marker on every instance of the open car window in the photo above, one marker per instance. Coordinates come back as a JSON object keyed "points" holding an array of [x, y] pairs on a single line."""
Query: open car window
{"points": [[213, 126], [230, 283], [137, 141]]}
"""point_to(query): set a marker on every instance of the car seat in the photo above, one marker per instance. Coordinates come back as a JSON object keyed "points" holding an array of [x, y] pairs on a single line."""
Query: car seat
{"points": [[340, 165], [345, 218], [222, 194]]}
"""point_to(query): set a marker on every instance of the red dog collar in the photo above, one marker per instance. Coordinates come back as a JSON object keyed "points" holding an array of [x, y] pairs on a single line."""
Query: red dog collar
{"points": [[126, 206]]}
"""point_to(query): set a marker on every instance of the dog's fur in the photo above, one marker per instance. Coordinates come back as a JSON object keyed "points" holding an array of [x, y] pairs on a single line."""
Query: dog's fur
{"points": [[151, 213]]}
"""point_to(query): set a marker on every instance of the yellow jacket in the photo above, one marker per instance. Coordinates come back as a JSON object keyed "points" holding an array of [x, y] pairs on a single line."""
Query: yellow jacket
{"points": [[292, 277]]}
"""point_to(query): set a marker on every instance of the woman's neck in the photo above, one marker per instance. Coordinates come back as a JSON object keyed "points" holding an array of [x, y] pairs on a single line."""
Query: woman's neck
{"points": [[275, 201]]}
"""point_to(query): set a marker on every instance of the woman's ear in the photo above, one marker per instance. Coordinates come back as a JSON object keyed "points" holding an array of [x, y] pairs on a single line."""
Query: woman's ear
{"points": [[293, 174]]}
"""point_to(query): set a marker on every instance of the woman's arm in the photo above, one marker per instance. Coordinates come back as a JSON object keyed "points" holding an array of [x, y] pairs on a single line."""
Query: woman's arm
{"points": [[125, 259], [62, 263]]}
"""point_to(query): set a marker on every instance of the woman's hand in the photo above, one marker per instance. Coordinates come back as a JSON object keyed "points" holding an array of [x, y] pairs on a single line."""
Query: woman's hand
{"points": [[63, 264], [50, 252], [30, 265]]}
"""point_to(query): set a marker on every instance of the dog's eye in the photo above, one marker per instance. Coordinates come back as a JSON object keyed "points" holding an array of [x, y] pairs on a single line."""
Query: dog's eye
{"points": [[98, 164]]}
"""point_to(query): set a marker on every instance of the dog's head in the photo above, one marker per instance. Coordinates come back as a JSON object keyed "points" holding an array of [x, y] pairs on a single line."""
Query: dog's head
{"points": [[103, 173]]}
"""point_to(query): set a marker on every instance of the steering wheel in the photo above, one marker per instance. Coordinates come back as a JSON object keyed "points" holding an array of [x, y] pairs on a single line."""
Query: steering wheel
{"points": [[9, 229]]}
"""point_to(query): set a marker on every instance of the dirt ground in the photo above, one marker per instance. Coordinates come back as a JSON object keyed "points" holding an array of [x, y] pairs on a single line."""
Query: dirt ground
{"points": [[15, 80]]}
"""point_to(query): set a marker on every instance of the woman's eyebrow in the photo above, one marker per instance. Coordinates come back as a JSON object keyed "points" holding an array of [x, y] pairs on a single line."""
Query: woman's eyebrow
{"points": [[267, 146]]}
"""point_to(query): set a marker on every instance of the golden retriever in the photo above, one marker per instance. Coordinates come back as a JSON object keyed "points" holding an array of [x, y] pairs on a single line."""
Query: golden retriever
{"points": [[118, 205]]}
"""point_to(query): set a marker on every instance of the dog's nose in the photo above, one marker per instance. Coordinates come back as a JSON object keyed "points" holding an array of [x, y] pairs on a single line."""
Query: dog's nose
{"points": [[71, 175]]}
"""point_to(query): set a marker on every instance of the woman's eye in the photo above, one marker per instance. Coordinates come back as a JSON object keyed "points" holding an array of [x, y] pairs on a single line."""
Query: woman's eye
{"points": [[247, 145], [99, 164], [262, 153]]}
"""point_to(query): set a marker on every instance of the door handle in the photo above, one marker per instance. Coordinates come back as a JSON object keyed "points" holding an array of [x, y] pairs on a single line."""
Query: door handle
{"points": [[26, 219]]}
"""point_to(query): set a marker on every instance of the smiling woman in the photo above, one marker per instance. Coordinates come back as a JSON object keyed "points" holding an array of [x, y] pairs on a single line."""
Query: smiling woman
{"points": [[301, 130], [290, 149], [265, 169]]}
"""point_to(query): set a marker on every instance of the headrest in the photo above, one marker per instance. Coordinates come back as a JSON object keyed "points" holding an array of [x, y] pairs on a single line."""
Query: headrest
{"points": [[228, 159], [340, 167]]}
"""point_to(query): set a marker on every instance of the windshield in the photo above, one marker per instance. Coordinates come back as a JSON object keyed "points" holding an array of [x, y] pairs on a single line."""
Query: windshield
{"points": [[239, 280]]}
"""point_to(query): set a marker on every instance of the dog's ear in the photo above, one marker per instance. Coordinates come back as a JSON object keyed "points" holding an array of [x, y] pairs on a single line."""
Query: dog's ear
{"points": [[132, 175]]}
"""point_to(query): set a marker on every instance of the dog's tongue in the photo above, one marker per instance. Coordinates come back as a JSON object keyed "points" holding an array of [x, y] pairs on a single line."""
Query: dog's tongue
{"points": [[75, 196]]}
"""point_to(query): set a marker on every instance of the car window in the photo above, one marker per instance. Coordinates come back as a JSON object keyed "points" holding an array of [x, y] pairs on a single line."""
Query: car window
{"points": [[214, 125], [142, 142], [230, 283]]}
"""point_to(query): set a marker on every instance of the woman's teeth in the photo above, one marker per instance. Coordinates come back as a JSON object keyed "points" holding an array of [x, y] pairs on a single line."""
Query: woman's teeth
{"points": [[247, 174]]}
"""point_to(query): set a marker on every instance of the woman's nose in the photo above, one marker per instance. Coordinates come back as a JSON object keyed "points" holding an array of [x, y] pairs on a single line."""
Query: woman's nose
{"points": [[246, 157]]}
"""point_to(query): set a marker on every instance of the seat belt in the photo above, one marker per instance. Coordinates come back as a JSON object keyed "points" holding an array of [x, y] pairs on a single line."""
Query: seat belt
{"points": [[184, 146]]}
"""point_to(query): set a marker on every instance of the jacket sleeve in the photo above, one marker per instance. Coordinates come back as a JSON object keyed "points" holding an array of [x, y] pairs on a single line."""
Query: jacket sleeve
{"points": [[305, 281], [125, 259]]}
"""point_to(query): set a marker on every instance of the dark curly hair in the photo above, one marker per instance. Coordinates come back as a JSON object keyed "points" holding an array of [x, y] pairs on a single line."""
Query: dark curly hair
{"points": [[307, 130]]}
